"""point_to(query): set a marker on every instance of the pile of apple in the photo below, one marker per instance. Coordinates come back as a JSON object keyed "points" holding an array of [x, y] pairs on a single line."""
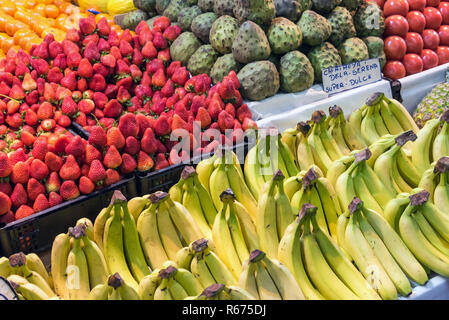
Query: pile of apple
{"points": [[416, 36]]}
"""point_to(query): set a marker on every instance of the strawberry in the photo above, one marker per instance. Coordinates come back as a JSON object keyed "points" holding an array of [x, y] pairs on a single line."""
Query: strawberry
{"points": [[5, 203], [27, 138], [86, 185], [154, 65], [145, 36], [41, 203], [180, 76], [6, 188], [81, 84], [48, 125], [161, 148], [164, 56], [53, 183], [143, 123], [172, 32], [69, 81], [70, 170], [76, 147], [126, 49], [12, 106], [113, 109], [17, 156], [243, 112], [97, 82], [91, 52], [54, 199], [162, 22], [14, 121], [146, 80], [16, 92], [38, 169], [144, 162], [54, 75], [158, 80], [112, 176], [85, 68], [126, 35], [178, 123], [225, 121], [22, 212], [161, 161], [40, 148], [113, 39], [128, 125], [233, 77], [248, 123], [28, 83], [162, 126], [5, 165], [53, 162], [60, 62], [215, 109], [137, 57], [103, 27], [172, 68], [128, 164], [97, 172], [126, 82], [68, 106], [237, 101], [203, 117], [69, 190], [41, 51], [159, 41], [73, 59], [136, 104], [148, 143], [229, 108], [143, 92], [85, 169], [19, 196], [142, 27], [34, 188], [168, 89], [123, 95], [132, 145], [87, 25], [100, 99], [108, 60], [136, 74], [112, 158], [97, 136], [86, 106], [92, 154], [54, 49]]}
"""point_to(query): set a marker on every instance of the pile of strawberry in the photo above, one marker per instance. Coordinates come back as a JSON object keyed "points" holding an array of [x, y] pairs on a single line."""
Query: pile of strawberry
{"points": [[125, 92]]}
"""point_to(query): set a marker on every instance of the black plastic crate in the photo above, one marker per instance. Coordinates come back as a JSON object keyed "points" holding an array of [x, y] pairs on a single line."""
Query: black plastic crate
{"points": [[37, 232]]}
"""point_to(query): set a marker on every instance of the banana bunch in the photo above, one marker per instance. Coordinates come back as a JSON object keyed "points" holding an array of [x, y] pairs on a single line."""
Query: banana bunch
{"points": [[423, 228], [222, 292], [395, 168], [436, 181], [196, 199], [296, 140], [317, 190], [380, 116], [268, 279], [378, 251], [164, 228], [114, 289], [77, 264], [28, 276], [204, 264], [169, 283], [360, 180], [233, 233], [432, 143], [269, 155]]}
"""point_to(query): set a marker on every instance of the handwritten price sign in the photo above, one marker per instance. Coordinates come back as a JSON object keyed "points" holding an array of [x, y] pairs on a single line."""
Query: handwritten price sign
{"points": [[350, 76]]}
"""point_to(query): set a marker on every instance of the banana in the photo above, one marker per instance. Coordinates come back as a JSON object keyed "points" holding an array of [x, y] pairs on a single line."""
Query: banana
{"points": [[440, 146], [188, 282], [401, 114], [321, 157], [218, 183], [338, 167], [378, 121], [162, 292], [235, 229], [206, 201], [364, 257], [431, 235], [176, 191], [150, 239], [114, 247], [247, 279], [284, 280], [59, 254], [392, 124], [137, 205], [362, 191], [284, 213], [355, 120], [218, 269], [167, 231], [99, 292], [5, 268], [205, 169], [183, 258], [88, 227], [30, 291], [17, 279], [344, 186], [287, 156], [368, 126], [201, 271], [176, 290], [237, 293], [379, 147], [331, 146], [429, 180], [407, 170], [438, 219], [265, 284], [183, 222], [148, 285], [77, 269], [99, 224], [342, 223], [253, 177], [288, 137], [441, 193], [319, 271], [127, 292], [115, 295], [335, 128], [31, 276], [422, 147], [35, 263], [222, 238], [247, 225], [394, 209], [292, 185], [98, 269], [304, 153]]}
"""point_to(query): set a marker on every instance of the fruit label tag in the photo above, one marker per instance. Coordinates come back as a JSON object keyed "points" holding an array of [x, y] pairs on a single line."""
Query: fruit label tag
{"points": [[341, 78]]}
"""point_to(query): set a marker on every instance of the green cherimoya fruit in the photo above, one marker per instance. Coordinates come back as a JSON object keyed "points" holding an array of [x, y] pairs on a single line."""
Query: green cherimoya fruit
{"points": [[324, 6], [202, 60], [296, 72], [259, 80], [352, 4], [258, 11], [206, 5], [222, 33], [369, 20], [315, 28], [250, 44], [184, 47], [353, 50], [132, 19], [223, 7], [202, 24], [186, 16], [322, 57], [223, 66], [145, 5], [161, 5], [376, 49], [284, 36], [290, 9], [342, 26], [174, 8]]}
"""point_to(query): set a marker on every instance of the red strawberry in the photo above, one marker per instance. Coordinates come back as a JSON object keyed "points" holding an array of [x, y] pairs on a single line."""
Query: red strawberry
{"points": [[125, 48], [85, 169], [137, 57], [19, 196], [161, 22], [248, 123], [123, 95], [54, 75], [28, 83], [103, 27], [148, 143], [172, 32], [34, 188], [92, 154], [27, 138], [68, 106], [48, 124], [14, 121], [87, 25], [164, 56], [38, 169], [128, 164], [132, 145], [16, 92], [126, 82], [53, 182], [45, 111], [180, 76], [178, 123], [40, 66], [112, 176], [5, 203], [100, 99], [158, 80], [54, 49], [91, 52], [112, 158], [154, 65], [243, 112], [69, 81], [97, 172], [69, 190], [6, 188], [86, 106], [144, 162], [40, 148], [41, 203], [143, 122], [113, 109], [128, 125], [225, 121], [53, 162], [229, 108], [85, 68], [108, 60], [169, 88], [146, 80], [41, 51], [172, 68], [136, 74], [115, 138], [73, 58], [97, 136], [203, 117], [60, 61], [162, 126], [54, 199], [23, 212], [161, 161], [70, 170], [215, 109], [97, 82], [5, 165], [159, 41], [126, 35], [86, 185], [76, 147], [18, 156]]}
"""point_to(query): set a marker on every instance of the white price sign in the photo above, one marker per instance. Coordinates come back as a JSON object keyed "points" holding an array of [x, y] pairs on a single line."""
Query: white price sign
{"points": [[349, 76]]}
